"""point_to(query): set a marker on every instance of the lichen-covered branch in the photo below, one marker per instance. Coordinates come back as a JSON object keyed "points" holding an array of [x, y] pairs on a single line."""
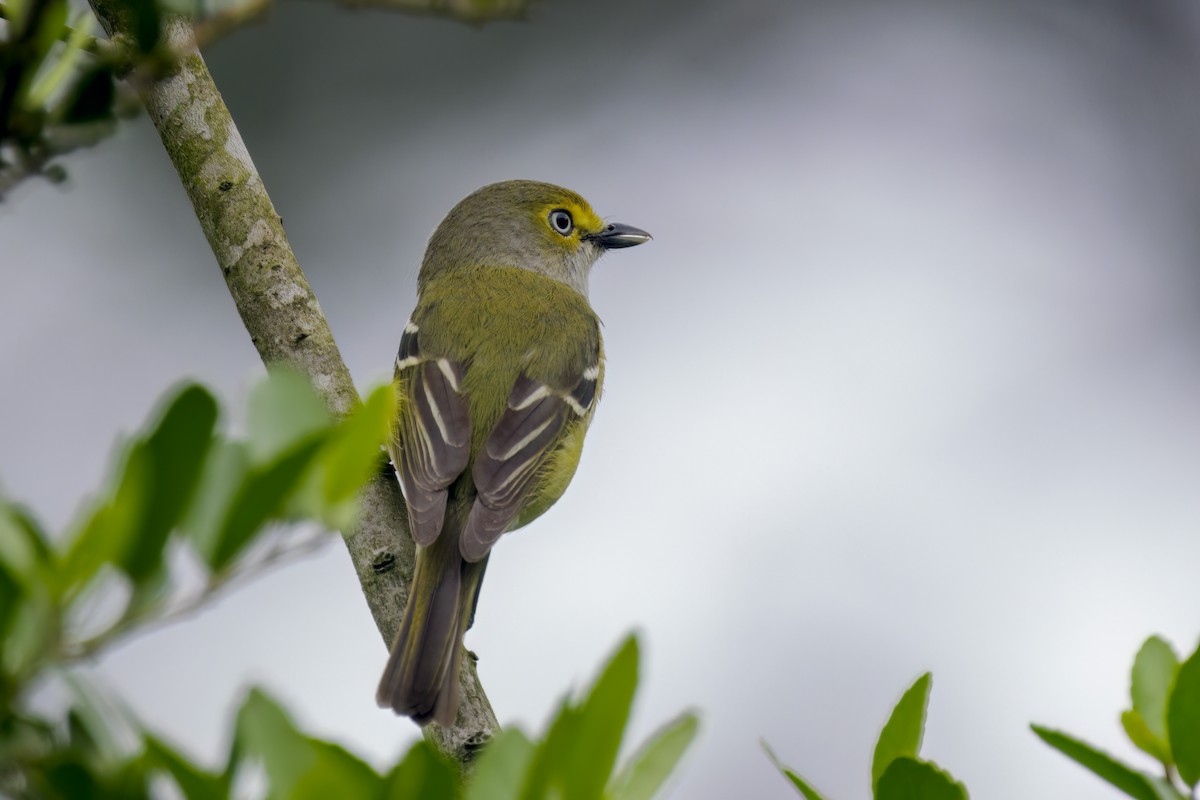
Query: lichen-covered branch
{"points": [[285, 323]]}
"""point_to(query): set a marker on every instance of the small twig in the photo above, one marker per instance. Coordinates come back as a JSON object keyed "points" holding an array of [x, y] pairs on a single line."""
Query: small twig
{"points": [[218, 584]]}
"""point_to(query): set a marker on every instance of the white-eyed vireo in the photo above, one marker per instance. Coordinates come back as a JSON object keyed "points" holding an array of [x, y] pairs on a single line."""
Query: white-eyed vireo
{"points": [[497, 378]]}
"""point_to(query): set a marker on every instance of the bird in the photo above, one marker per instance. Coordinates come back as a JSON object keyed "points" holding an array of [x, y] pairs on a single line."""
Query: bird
{"points": [[498, 374]]}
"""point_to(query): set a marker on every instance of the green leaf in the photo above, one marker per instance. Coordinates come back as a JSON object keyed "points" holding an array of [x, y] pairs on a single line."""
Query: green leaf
{"points": [[424, 772], [194, 782], [501, 768], [1153, 672], [156, 480], [353, 454], [1129, 780], [146, 21], [10, 596], [260, 496], [33, 626], [38, 539], [338, 773], [601, 724], [901, 735], [546, 775], [26, 566], [264, 730], [16, 15], [149, 596], [1143, 738], [26, 738], [63, 67], [127, 780], [224, 473], [24, 549], [176, 449], [806, 789], [99, 723], [66, 776], [297, 767], [575, 759], [1183, 720], [911, 779], [647, 770], [106, 534], [53, 20], [283, 411], [91, 98], [50, 27]]}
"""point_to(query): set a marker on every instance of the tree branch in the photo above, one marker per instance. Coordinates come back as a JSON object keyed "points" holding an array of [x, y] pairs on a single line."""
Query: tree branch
{"points": [[285, 323]]}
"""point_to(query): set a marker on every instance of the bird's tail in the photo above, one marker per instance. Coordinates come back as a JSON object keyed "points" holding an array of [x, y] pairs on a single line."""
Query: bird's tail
{"points": [[421, 678]]}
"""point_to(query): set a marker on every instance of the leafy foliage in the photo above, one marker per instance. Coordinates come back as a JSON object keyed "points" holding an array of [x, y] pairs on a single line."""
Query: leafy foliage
{"points": [[126, 546], [58, 90], [180, 486], [58, 84], [1163, 722], [510, 766], [1129, 780], [576, 757], [897, 771]]}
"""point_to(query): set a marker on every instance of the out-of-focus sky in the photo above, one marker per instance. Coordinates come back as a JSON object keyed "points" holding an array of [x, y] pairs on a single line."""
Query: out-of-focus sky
{"points": [[907, 380]]}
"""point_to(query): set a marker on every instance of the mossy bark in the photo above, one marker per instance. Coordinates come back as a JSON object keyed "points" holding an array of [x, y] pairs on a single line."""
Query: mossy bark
{"points": [[286, 325]]}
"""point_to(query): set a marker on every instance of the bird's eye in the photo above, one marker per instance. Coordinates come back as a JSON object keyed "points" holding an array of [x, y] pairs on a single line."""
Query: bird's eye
{"points": [[561, 221]]}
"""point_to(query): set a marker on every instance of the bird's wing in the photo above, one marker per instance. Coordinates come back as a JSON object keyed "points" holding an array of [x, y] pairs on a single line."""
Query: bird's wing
{"points": [[532, 426], [434, 435]]}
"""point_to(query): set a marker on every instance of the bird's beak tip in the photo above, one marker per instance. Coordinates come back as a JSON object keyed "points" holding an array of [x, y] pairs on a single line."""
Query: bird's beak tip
{"points": [[616, 235]]}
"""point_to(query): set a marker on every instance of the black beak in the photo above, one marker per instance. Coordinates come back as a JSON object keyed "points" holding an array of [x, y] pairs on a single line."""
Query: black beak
{"points": [[616, 235]]}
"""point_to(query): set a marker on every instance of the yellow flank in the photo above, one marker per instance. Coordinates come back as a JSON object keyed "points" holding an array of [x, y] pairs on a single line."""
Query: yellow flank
{"points": [[556, 472]]}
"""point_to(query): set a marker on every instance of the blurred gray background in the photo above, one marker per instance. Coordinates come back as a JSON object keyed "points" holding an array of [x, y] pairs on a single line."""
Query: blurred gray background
{"points": [[907, 381]]}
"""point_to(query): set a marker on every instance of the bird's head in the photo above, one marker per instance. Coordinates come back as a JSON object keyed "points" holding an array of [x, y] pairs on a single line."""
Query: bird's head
{"points": [[536, 226]]}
